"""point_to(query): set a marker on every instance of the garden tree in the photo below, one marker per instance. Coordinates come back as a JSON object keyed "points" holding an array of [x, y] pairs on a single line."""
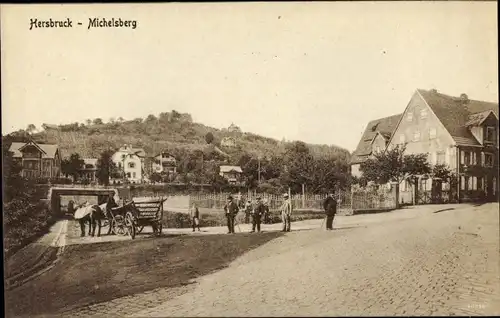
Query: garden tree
{"points": [[328, 176], [299, 163], [98, 121], [72, 166], [106, 167], [394, 166], [209, 138]]}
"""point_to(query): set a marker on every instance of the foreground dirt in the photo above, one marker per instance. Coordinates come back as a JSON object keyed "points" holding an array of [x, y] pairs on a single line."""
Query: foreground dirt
{"points": [[104, 271]]}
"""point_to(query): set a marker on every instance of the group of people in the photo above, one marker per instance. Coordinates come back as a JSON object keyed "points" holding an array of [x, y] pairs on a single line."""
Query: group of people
{"points": [[261, 209], [257, 212]]}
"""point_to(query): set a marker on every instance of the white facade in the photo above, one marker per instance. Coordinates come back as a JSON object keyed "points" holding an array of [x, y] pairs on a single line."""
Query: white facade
{"points": [[131, 162]]}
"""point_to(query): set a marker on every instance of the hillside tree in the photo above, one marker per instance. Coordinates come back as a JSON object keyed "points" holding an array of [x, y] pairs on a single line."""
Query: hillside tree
{"points": [[72, 166]]}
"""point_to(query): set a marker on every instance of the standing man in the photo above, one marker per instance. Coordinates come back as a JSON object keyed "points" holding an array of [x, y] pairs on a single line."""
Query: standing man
{"points": [[231, 210], [286, 213], [248, 211], [267, 216], [257, 214], [195, 217], [330, 206]]}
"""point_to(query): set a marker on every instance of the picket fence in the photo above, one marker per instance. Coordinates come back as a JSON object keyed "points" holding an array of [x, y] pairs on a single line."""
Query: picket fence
{"points": [[301, 202]]}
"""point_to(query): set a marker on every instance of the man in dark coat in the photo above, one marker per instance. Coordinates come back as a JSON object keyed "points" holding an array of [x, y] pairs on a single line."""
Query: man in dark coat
{"points": [[231, 210], [257, 214], [330, 206]]}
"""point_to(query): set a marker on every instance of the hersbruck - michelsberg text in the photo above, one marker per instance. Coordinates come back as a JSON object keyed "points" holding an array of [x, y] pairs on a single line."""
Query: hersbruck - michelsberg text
{"points": [[35, 23], [111, 23]]}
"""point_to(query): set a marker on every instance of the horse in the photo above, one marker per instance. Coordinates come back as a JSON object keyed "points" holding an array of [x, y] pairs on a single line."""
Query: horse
{"points": [[93, 215]]}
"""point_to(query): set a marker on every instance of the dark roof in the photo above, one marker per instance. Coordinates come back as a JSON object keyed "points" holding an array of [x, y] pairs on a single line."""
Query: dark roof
{"points": [[454, 113], [385, 126], [49, 151], [478, 119]]}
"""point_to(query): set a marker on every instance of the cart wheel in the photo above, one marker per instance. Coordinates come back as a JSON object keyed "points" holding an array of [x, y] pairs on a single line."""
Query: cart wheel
{"points": [[139, 229], [119, 226], [129, 223]]}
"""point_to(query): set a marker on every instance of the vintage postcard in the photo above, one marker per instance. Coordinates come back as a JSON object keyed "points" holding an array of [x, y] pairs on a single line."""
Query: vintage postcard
{"points": [[250, 159]]}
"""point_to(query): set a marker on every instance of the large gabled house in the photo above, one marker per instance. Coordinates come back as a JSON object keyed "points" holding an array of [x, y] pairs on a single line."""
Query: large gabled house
{"points": [[130, 161], [374, 139], [456, 131], [37, 160]]}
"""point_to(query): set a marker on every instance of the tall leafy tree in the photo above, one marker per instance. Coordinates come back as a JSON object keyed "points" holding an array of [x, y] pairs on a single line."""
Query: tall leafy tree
{"points": [[209, 138], [72, 166], [394, 166], [105, 167]]}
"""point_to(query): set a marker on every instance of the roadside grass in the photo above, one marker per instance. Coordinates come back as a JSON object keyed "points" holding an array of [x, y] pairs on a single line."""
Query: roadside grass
{"points": [[93, 273]]}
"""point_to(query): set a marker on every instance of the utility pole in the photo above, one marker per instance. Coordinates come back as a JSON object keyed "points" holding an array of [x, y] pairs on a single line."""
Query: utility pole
{"points": [[258, 158]]}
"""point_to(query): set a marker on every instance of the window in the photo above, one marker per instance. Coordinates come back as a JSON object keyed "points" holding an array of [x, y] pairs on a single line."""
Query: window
{"points": [[490, 134], [467, 156], [409, 116], [423, 113], [462, 183], [440, 158], [432, 133], [402, 139], [119, 164], [488, 160], [128, 174], [131, 165], [416, 135], [377, 149], [133, 174], [474, 158], [123, 157], [470, 183]]}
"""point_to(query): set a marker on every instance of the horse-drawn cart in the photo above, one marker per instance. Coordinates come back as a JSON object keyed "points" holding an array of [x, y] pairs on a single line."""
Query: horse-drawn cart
{"points": [[148, 212]]}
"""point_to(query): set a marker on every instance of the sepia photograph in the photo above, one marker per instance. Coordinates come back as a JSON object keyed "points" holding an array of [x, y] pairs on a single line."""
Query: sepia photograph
{"points": [[250, 159]]}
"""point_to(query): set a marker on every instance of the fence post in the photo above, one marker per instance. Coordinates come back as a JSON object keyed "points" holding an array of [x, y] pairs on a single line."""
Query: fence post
{"points": [[303, 196]]}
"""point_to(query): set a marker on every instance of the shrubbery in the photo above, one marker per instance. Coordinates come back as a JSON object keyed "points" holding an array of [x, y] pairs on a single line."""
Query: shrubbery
{"points": [[25, 216]]}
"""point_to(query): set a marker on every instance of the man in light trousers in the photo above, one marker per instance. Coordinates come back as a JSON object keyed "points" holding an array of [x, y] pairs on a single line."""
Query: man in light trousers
{"points": [[286, 213]]}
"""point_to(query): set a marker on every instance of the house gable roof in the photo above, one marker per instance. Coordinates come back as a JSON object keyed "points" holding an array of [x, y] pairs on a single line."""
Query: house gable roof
{"points": [[48, 151], [478, 118], [384, 126], [230, 168], [455, 113]]}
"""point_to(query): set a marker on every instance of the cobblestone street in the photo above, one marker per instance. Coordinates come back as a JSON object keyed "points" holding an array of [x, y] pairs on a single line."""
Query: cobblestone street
{"points": [[442, 262]]}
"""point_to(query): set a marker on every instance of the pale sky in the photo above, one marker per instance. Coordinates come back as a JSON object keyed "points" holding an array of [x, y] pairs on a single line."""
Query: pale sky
{"points": [[316, 72]]}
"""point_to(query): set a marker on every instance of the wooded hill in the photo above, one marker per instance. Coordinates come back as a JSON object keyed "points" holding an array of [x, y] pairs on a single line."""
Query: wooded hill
{"points": [[170, 131]]}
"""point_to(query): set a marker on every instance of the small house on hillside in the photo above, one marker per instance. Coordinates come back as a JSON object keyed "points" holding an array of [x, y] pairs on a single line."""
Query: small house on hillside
{"points": [[37, 160], [233, 128], [131, 162], [89, 169], [164, 162], [228, 142], [231, 173]]}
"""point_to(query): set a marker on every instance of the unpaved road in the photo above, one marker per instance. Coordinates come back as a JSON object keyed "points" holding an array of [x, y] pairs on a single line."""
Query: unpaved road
{"points": [[444, 263]]}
